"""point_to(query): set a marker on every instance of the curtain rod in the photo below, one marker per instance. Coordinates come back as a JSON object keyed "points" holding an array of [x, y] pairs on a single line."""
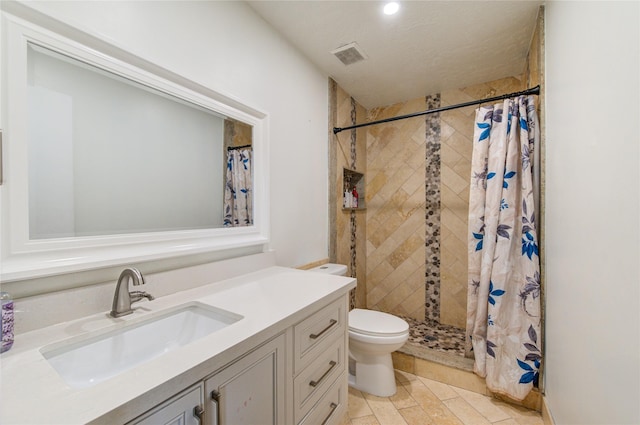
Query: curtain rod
{"points": [[535, 90], [232, 148]]}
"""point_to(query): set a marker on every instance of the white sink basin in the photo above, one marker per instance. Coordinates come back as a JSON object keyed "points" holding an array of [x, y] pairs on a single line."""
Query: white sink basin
{"points": [[88, 361]]}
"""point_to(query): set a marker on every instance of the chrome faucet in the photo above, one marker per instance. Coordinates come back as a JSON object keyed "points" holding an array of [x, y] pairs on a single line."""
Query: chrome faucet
{"points": [[122, 299]]}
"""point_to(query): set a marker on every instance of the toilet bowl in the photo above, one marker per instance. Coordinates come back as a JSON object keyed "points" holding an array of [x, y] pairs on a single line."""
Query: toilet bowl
{"points": [[373, 336]]}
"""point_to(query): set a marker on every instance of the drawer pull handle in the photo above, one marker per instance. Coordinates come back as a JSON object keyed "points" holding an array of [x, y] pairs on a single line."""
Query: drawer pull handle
{"points": [[215, 397], [333, 409], [318, 335], [198, 413], [332, 364]]}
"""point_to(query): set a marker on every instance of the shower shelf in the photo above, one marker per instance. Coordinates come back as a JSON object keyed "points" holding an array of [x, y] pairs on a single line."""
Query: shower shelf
{"points": [[350, 180]]}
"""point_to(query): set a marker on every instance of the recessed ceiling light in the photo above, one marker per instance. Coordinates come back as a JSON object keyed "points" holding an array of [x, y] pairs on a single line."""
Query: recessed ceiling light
{"points": [[391, 8]]}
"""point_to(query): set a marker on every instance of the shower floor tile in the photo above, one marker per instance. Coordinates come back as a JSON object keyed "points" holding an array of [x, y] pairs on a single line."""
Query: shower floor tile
{"points": [[435, 336]]}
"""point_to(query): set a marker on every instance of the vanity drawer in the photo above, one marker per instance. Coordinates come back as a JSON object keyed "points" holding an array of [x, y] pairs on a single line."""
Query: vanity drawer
{"points": [[311, 334], [331, 407], [313, 381]]}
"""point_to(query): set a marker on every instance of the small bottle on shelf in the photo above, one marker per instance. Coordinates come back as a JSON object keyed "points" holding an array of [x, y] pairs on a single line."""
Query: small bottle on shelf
{"points": [[347, 199]]}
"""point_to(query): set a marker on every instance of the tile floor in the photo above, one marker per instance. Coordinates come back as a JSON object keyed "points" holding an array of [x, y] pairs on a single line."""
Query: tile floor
{"points": [[422, 401]]}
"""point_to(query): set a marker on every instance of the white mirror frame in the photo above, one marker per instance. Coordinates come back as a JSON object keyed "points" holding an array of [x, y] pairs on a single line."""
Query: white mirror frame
{"points": [[22, 258]]}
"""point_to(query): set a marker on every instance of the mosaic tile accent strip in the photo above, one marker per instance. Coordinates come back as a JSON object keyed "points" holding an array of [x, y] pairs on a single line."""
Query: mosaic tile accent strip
{"points": [[432, 216], [353, 134], [432, 335], [352, 218]]}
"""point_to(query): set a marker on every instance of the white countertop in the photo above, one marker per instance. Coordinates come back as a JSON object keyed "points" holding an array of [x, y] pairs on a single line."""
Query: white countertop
{"points": [[270, 300]]}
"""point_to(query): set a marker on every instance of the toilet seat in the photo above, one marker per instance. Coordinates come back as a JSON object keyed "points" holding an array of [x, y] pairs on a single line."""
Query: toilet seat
{"points": [[376, 324]]}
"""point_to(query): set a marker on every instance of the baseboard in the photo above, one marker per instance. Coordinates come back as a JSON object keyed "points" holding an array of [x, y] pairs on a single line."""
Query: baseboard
{"points": [[547, 419]]}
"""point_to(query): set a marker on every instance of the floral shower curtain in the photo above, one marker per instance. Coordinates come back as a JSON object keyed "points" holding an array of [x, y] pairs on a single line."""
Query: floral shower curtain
{"points": [[238, 193], [503, 313]]}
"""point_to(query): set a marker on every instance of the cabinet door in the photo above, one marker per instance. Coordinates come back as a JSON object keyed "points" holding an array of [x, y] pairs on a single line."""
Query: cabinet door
{"points": [[251, 390], [183, 409]]}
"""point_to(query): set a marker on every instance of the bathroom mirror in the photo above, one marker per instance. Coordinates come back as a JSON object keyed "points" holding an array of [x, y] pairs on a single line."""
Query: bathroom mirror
{"points": [[108, 155], [110, 160]]}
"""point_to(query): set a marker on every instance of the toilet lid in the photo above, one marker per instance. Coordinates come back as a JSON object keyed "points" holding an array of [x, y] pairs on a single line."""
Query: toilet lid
{"points": [[371, 322]]}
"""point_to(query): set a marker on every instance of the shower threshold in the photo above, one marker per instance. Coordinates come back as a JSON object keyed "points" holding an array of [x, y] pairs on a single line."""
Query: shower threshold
{"points": [[443, 344]]}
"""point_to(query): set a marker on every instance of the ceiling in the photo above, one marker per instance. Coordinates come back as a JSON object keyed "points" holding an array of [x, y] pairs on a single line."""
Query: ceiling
{"points": [[427, 47]]}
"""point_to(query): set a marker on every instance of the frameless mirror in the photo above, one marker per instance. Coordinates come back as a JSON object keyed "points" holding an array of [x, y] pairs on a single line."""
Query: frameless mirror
{"points": [[108, 155]]}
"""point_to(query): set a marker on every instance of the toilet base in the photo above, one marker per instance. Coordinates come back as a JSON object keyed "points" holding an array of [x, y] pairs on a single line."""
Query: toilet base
{"points": [[373, 374]]}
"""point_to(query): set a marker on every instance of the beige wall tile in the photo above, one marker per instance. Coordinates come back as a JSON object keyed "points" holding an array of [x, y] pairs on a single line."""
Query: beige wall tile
{"points": [[378, 235], [479, 91], [446, 131], [452, 180], [414, 304], [379, 273], [453, 302], [448, 155], [453, 97], [374, 296], [405, 249], [461, 143], [453, 222], [459, 120], [375, 182], [450, 199], [414, 185], [463, 167], [395, 213]]}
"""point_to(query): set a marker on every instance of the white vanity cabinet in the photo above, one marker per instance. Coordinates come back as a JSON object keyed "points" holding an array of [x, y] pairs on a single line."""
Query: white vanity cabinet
{"points": [[283, 361], [183, 409], [250, 390], [320, 365], [296, 377]]}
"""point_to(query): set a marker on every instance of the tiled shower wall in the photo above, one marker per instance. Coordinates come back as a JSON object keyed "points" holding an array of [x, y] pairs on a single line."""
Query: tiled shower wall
{"points": [[395, 194], [418, 173], [348, 228], [413, 261], [407, 261]]}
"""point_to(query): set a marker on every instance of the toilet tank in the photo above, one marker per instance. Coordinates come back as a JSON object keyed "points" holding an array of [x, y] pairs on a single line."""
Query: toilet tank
{"points": [[331, 268]]}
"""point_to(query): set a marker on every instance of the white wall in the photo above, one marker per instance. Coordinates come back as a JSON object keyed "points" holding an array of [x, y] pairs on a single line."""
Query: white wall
{"points": [[225, 46], [592, 356]]}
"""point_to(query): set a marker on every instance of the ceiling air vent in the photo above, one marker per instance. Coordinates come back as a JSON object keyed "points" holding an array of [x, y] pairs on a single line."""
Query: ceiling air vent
{"points": [[349, 54]]}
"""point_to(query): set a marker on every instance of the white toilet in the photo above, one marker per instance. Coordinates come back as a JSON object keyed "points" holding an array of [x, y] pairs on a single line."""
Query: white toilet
{"points": [[373, 336]]}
